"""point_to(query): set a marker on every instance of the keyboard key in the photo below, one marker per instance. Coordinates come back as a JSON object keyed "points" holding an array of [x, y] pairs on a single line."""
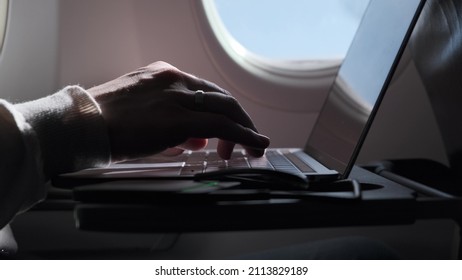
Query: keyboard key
{"points": [[259, 163], [191, 169], [239, 162]]}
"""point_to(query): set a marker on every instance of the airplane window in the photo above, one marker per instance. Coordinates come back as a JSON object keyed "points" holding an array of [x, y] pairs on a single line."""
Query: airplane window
{"points": [[292, 46], [3, 15], [287, 31]]}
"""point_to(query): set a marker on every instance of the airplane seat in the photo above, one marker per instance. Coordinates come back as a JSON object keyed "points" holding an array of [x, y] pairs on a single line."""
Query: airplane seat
{"points": [[436, 48]]}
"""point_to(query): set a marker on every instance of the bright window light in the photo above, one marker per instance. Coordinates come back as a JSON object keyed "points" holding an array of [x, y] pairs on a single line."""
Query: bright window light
{"points": [[292, 29]]}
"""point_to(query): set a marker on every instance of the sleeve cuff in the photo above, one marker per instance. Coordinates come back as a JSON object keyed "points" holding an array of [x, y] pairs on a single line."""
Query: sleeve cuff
{"points": [[71, 130]]}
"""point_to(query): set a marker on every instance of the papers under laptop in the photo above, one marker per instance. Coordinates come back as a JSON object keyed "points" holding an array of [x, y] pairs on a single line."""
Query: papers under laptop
{"points": [[343, 122]]}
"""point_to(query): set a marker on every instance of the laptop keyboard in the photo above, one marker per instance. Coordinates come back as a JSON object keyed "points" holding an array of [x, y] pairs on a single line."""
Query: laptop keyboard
{"points": [[207, 161]]}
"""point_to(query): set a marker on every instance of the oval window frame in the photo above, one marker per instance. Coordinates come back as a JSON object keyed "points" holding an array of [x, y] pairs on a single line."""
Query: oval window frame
{"points": [[282, 85]]}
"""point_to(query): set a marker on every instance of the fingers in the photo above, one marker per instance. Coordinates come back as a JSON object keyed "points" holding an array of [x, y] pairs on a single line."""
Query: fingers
{"points": [[217, 103], [213, 125], [194, 83], [225, 149], [192, 144], [221, 106], [227, 105], [215, 100], [159, 87]]}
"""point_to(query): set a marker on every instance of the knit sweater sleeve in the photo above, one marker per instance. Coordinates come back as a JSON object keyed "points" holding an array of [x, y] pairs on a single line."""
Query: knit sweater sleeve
{"points": [[63, 132]]}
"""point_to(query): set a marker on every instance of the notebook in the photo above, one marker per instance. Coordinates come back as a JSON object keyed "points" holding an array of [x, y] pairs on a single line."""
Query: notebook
{"points": [[343, 122]]}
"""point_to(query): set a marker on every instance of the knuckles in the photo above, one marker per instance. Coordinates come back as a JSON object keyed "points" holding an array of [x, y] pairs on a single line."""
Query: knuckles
{"points": [[159, 73]]}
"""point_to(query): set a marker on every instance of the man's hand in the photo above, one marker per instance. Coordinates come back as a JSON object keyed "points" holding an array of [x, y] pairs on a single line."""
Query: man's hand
{"points": [[155, 109]]}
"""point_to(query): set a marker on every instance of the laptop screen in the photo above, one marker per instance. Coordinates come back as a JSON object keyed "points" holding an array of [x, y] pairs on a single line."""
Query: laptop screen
{"points": [[361, 82]]}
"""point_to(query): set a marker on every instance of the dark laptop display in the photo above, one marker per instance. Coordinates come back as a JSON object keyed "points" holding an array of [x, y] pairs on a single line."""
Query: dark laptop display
{"points": [[361, 82], [344, 119]]}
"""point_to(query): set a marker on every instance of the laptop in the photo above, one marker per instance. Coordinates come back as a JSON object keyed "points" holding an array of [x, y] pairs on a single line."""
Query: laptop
{"points": [[342, 125]]}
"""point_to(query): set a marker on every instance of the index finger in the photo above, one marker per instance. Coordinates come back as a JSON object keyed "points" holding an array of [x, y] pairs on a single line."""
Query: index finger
{"points": [[213, 102], [219, 100], [221, 127]]}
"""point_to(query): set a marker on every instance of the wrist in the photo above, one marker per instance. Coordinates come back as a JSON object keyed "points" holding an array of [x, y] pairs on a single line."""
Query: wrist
{"points": [[70, 129]]}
